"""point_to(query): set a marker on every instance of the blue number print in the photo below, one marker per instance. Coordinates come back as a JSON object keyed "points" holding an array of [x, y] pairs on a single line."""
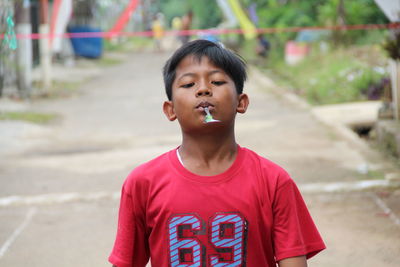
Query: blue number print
{"points": [[185, 250], [228, 235]]}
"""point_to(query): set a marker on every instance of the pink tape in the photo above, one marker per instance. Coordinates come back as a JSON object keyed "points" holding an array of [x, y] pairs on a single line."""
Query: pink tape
{"points": [[111, 34]]}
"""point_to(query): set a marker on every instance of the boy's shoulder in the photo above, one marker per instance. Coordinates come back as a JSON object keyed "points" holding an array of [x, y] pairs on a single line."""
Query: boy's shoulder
{"points": [[150, 168], [263, 161], [268, 168]]}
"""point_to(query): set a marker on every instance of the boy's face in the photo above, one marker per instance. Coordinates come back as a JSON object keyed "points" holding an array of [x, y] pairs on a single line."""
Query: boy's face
{"points": [[200, 84]]}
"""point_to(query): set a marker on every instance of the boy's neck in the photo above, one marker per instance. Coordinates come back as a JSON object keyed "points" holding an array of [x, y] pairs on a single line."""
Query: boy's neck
{"points": [[208, 154]]}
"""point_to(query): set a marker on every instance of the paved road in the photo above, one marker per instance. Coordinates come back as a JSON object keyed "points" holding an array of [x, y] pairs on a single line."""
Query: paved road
{"points": [[59, 187]]}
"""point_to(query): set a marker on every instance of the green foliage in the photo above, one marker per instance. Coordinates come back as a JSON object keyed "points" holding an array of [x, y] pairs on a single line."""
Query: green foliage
{"points": [[206, 13], [294, 13], [274, 14], [284, 14], [173, 8], [374, 37], [355, 13], [316, 12], [363, 12]]}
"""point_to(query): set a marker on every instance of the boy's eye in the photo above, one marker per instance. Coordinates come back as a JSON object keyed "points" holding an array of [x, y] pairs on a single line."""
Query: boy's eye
{"points": [[218, 83], [187, 85]]}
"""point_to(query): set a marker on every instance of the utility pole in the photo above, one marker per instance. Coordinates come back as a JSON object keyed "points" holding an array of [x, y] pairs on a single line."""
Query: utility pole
{"points": [[339, 36], [44, 43], [24, 50], [391, 9]]}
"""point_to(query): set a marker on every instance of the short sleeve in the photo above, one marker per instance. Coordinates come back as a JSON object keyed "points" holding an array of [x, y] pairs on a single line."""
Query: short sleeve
{"points": [[294, 232], [131, 244]]}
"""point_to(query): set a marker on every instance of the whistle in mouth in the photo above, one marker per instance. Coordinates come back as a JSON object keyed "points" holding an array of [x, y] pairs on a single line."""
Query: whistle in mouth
{"points": [[208, 118]]}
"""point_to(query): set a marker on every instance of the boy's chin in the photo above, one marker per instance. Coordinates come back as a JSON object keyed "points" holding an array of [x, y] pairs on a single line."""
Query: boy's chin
{"points": [[205, 128]]}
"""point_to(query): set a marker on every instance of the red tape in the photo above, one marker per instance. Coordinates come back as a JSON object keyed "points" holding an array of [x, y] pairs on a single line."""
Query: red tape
{"points": [[206, 31]]}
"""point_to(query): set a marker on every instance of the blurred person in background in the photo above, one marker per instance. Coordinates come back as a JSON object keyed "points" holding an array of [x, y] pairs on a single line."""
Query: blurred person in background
{"points": [[186, 25], [176, 25], [158, 31], [263, 46]]}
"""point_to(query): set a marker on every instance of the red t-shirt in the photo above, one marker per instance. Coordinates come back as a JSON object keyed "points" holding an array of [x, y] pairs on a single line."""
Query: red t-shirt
{"points": [[251, 215]]}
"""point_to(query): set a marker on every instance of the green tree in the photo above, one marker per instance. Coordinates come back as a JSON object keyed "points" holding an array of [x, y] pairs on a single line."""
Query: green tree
{"points": [[173, 8], [295, 13], [206, 13], [354, 13]]}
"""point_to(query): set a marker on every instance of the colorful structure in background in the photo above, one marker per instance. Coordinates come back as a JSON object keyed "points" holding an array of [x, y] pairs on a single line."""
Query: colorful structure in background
{"points": [[390, 8], [125, 16], [62, 11], [230, 19], [247, 26], [9, 38], [296, 52], [87, 47], [234, 13]]}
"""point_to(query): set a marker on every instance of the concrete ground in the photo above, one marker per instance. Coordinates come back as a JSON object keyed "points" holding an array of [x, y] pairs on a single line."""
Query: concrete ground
{"points": [[60, 183]]}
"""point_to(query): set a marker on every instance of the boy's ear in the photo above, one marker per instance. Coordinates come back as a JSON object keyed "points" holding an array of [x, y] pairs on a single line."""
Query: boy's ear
{"points": [[243, 103], [168, 108]]}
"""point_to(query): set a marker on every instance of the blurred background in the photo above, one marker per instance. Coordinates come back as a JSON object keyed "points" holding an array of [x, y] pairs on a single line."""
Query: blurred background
{"points": [[69, 117], [327, 51]]}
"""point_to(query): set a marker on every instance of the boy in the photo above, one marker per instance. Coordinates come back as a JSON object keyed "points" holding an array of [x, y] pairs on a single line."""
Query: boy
{"points": [[211, 202]]}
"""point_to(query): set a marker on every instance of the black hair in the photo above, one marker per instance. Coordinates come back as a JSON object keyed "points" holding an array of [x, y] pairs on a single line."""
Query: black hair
{"points": [[228, 61]]}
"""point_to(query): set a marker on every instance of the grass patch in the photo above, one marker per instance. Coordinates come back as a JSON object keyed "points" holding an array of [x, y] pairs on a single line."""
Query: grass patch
{"points": [[375, 175], [128, 44], [58, 89], [108, 61], [39, 118], [336, 76]]}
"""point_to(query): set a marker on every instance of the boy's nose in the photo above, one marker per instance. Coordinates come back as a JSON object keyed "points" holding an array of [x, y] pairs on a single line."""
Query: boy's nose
{"points": [[204, 91]]}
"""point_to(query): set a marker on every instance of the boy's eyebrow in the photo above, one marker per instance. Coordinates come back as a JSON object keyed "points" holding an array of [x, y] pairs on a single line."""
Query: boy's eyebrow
{"points": [[194, 74]]}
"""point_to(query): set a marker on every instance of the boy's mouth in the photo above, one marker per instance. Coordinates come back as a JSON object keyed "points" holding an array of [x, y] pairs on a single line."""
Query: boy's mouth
{"points": [[204, 104]]}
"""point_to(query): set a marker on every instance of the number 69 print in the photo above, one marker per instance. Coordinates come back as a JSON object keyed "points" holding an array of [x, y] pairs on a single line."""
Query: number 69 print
{"points": [[227, 234]]}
